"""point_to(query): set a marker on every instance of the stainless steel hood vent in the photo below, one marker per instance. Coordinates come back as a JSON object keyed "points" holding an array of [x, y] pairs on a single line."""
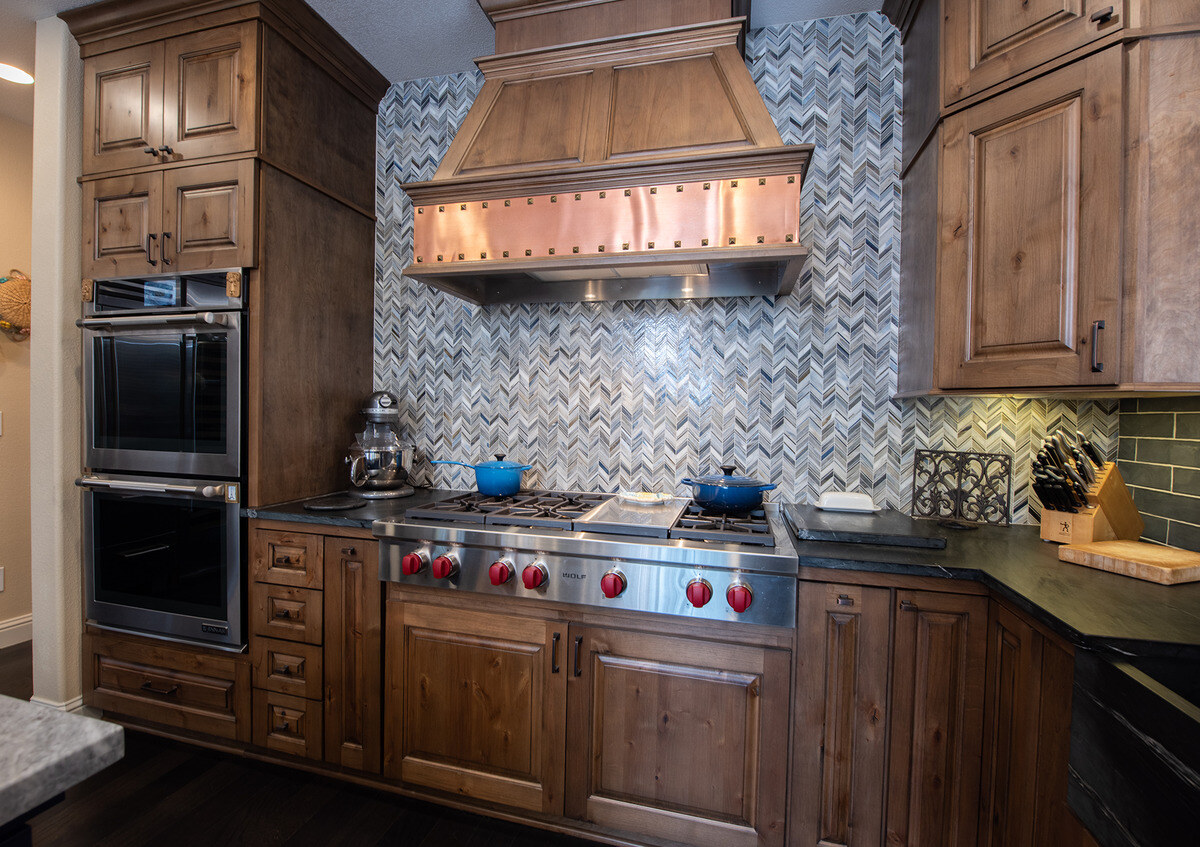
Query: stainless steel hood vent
{"points": [[637, 161]]}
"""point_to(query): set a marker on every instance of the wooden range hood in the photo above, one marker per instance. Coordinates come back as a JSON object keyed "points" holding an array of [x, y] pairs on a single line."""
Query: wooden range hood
{"points": [[618, 150]]}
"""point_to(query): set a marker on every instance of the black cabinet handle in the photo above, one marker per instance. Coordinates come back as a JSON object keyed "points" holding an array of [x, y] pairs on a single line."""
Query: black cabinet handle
{"points": [[165, 260], [1097, 365], [908, 606], [150, 150], [283, 614], [148, 687], [349, 551], [578, 649], [1103, 16], [165, 150], [845, 600], [554, 653], [151, 238]]}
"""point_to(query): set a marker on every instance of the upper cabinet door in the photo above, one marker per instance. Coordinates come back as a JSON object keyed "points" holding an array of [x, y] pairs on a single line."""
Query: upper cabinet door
{"points": [[122, 219], [985, 42], [1029, 275], [122, 108], [208, 216], [210, 94]]}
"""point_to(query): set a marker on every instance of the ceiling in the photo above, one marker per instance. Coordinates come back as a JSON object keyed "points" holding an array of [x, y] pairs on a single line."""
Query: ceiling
{"points": [[404, 39]]}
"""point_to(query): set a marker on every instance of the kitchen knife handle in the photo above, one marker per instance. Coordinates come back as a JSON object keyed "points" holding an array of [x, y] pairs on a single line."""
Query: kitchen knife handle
{"points": [[578, 650], [1097, 365], [554, 652]]}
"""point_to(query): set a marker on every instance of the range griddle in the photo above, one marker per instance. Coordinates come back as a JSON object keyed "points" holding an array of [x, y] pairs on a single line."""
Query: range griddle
{"points": [[886, 527]]}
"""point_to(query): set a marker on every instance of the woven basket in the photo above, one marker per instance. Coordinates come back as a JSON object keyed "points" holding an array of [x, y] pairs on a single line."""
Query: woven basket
{"points": [[14, 299]]}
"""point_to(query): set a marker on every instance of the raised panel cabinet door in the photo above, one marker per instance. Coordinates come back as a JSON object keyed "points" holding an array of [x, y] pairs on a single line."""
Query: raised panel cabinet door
{"points": [[678, 739], [122, 109], [1029, 229], [122, 222], [839, 726], [987, 42], [1011, 723], [208, 216], [353, 662], [475, 705], [210, 92], [938, 668]]}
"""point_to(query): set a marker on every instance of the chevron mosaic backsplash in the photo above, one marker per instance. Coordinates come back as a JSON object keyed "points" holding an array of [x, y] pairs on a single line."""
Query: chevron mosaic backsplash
{"points": [[795, 390]]}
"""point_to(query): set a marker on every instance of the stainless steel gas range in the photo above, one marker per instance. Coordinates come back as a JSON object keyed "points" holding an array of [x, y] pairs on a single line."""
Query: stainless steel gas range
{"points": [[599, 550]]}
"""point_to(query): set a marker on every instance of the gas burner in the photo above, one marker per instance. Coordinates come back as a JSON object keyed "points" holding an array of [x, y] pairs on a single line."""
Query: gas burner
{"points": [[471, 508], [551, 509], [697, 524]]}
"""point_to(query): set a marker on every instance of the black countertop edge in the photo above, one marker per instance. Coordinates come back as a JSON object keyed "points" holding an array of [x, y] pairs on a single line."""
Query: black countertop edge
{"points": [[1116, 615]]}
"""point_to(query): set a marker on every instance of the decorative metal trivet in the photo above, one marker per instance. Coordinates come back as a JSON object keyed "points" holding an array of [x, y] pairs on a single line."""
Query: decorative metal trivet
{"points": [[974, 487]]}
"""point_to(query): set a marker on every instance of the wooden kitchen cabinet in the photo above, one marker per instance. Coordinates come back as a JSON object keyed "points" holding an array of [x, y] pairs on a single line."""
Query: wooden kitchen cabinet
{"points": [[937, 702], [353, 660], [1029, 274], [476, 704], [676, 738], [988, 42], [184, 219], [840, 714], [174, 100]]}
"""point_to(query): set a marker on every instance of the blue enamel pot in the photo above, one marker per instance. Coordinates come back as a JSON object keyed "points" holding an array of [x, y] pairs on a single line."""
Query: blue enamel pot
{"points": [[495, 479], [727, 493]]}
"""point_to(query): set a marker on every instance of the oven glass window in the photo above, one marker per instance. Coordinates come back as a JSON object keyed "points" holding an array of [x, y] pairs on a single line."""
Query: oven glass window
{"points": [[160, 392], [160, 553]]}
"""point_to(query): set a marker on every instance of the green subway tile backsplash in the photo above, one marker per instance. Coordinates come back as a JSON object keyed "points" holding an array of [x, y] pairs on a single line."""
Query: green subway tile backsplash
{"points": [[1158, 451]]}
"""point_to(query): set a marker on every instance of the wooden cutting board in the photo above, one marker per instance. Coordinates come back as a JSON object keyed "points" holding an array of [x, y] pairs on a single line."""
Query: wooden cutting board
{"points": [[1151, 562]]}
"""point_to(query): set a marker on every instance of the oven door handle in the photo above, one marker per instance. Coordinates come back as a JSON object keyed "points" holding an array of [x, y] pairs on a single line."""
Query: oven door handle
{"points": [[208, 492], [198, 318]]}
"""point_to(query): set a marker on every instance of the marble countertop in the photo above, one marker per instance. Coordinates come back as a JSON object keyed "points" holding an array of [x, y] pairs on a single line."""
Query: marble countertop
{"points": [[1089, 607], [43, 752]]}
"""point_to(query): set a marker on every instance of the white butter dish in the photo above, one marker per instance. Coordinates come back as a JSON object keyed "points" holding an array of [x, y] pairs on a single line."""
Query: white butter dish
{"points": [[846, 501]]}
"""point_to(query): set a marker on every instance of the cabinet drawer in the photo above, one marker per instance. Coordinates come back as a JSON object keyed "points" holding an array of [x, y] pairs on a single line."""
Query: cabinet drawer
{"points": [[196, 691], [286, 558], [280, 611], [288, 667], [288, 724]]}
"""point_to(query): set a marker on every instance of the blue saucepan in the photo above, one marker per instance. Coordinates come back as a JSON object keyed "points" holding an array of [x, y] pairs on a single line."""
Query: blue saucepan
{"points": [[495, 479], [727, 493]]}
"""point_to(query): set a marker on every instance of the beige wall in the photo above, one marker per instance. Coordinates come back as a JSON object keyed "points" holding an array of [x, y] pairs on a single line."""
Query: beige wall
{"points": [[16, 197]]}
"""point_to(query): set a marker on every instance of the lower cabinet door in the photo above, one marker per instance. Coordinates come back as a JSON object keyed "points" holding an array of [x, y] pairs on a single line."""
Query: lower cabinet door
{"points": [[475, 704], [678, 739], [840, 716], [938, 671]]}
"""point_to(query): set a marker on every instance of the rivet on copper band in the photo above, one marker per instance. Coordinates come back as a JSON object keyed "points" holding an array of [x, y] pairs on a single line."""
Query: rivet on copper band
{"points": [[420, 210], [707, 186], [789, 238], [733, 241], [506, 254], [649, 245], [703, 242], [507, 202], [578, 196], [553, 198], [529, 201], [462, 207], [625, 246], [441, 208], [574, 249], [678, 243], [485, 204], [551, 251], [653, 190], [679, 188], [762, 181], [461, 257], [628, 192], [528, 252], [761, 239], [733, 183], [791, 180], [603, 194], [483, 255], [600, 249], [439, 257], [419, 260]]}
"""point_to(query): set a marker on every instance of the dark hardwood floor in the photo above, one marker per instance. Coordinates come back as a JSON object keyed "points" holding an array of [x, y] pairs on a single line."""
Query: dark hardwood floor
{"points": [[168, 793]]}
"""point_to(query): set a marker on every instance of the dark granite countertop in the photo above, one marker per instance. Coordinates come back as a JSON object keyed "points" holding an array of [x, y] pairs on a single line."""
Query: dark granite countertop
{"points": [[1089, 607]]}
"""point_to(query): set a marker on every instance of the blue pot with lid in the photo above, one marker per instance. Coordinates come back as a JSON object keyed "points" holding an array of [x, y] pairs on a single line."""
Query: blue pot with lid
{"points": [[495, 479], [726, 492]]}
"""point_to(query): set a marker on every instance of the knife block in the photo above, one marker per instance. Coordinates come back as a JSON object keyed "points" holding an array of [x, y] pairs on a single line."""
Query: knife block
{"points": [[1110, 514]]}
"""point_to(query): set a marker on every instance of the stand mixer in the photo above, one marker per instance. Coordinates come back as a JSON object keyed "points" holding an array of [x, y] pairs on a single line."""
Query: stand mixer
{"points": [[379, 462]]}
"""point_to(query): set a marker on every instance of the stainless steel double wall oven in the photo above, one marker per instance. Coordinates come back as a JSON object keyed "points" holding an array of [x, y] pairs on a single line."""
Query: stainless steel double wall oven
{"points": [[163, 374]]}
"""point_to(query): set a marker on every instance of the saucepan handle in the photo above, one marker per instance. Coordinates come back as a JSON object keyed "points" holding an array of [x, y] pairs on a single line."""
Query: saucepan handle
{"points": [[450, 462]]}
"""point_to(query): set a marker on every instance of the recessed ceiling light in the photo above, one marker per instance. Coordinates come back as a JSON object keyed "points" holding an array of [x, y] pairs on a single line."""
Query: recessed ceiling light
{"points": [[16, 75]]}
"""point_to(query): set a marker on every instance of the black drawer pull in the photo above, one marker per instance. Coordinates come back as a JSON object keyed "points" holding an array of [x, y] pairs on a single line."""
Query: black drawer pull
{"points": [[283, 614], [150, 150], [285, 560], [554, 653], [578, 650], [283, 727], [845, 600], [286, 670], [349, 551], [1103, 16], [149, 688], [908, 606], [166, 150], [1097, 365]]}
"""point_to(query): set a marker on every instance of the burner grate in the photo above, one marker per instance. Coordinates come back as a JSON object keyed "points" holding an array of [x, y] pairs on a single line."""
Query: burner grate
{"points": [[550, 509], [699, 525]]}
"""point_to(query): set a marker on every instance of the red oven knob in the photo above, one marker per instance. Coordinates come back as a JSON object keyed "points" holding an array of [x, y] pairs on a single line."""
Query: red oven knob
{"points": [[699, 592], [444, 567], [612, 584], [739, 596], [534, 576], [500, 572], [412, 563]]}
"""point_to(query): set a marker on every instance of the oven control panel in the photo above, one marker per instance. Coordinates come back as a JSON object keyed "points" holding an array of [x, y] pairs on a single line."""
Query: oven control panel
{"points": [[638, 586]]}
